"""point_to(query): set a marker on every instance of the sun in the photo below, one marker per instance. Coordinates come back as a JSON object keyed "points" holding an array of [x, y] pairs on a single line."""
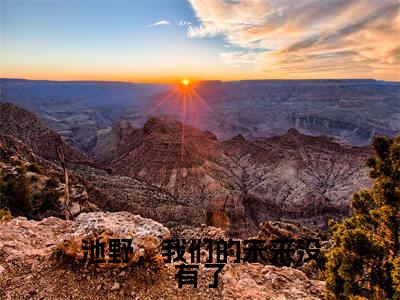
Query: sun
{"points": [[185, 82]]}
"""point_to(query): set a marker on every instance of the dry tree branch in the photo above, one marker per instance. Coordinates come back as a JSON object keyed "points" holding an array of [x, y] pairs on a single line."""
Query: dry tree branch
{"points": [[61, 157]]}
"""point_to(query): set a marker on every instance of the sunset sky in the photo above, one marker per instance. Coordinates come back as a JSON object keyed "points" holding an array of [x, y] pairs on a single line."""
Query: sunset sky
{"points": [[167, 40]]}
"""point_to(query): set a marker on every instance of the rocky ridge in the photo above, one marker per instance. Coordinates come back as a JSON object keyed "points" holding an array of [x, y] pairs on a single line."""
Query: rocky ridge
{"points": [[25, 126], [189, 166], [33, 186], [238, 183], [147, 235]]}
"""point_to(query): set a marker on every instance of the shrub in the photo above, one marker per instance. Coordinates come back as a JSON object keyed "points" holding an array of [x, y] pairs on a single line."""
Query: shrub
{"points": [[35, 168], [34, 179], [364, 260], [5, 215], [50, 201], [16, 194], [52, 183]]}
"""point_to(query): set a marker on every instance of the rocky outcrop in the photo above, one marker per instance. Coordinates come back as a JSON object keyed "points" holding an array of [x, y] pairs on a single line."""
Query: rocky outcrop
{"points": [[255, 281], [238, 183], [22, 238], [34, 187], [146, 235], [165, 143], [201, 233], [181, 160], [26, 127], [112, 192], [298, 178], [230, 213], [271, 230], [32, 266], [110, 142]]}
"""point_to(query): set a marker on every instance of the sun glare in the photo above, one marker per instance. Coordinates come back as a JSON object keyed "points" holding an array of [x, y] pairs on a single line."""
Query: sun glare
{"points": [[185, 82], [183, 100]]}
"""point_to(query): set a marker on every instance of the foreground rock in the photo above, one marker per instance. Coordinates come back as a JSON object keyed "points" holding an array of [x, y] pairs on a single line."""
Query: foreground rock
{"points": [[255, 282], [271, 230], [147, 235], [203, 232], [21, 239], [30, 269]]}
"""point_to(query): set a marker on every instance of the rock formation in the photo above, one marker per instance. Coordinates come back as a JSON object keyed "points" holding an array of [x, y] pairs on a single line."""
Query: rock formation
{"points": [[238, 183], [33, 186], [146, 235], [26, 127], [255, 281], [180, 175], [32, 266], [296, 177]]}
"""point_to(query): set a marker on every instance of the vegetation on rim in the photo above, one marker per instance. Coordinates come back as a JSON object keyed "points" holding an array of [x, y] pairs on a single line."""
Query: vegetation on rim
{"points": [[364, 262]]}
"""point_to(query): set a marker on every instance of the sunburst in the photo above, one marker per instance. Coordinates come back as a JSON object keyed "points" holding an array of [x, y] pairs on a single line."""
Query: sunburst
{"points": [[185, 82], [185, 100]]}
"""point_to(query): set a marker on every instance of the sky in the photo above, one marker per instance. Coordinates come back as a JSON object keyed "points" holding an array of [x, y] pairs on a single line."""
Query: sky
{"points": [[167, 40]]}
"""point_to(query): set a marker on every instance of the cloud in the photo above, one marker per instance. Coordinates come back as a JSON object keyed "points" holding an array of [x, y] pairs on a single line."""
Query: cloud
{"points": [[184, 23], [240, 57], [201, 31], [160, 23], [310, 38]]}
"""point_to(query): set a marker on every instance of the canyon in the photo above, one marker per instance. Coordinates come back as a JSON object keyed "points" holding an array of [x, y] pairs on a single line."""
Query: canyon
{"points": [[183, 176], [250, 159]]}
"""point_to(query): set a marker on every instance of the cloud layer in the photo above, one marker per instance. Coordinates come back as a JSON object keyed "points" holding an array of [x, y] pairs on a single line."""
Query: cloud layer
{"points": [[308, 38], [160, 23]]}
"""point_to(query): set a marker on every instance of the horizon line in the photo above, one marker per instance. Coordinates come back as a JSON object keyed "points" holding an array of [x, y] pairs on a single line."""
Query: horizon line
{"points": [[205, 80]]}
